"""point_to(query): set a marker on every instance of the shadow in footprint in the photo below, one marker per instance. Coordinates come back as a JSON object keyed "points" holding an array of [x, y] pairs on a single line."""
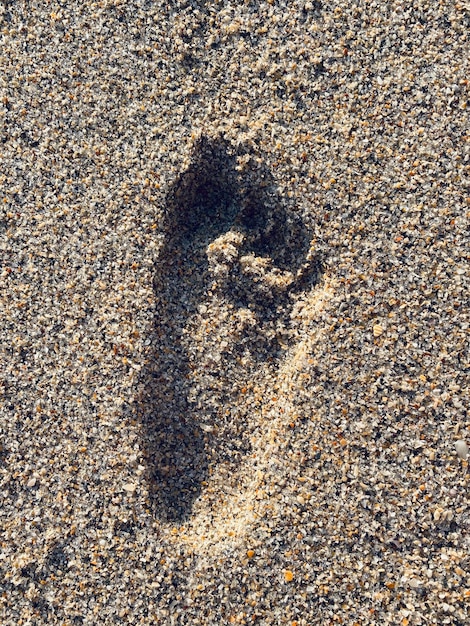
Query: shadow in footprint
{"points": [[211, 198]]}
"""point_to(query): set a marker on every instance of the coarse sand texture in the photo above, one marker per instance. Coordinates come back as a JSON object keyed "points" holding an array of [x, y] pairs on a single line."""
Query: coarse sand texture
{"points": [[234, 312]]}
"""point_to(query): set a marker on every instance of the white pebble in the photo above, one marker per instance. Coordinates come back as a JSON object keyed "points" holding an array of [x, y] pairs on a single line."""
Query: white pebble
{"points": [[462, 449]]}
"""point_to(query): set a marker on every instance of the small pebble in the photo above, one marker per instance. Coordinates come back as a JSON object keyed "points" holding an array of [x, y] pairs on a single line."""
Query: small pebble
{"points": [[462, 449]]}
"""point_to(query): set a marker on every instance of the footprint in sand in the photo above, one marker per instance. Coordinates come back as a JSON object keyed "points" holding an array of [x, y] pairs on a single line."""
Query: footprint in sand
{"points": [[232, 265]]}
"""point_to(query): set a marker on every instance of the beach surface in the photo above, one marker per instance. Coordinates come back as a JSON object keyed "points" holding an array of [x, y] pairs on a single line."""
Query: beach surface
{"points": [[234, 295]]}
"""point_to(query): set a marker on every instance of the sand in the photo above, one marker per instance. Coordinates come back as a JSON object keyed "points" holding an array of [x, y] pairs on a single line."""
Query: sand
{"points": [[234, 243]]}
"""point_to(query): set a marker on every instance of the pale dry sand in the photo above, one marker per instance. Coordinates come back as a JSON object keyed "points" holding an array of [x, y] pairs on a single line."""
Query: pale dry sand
{"points": [[234, 301]]}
